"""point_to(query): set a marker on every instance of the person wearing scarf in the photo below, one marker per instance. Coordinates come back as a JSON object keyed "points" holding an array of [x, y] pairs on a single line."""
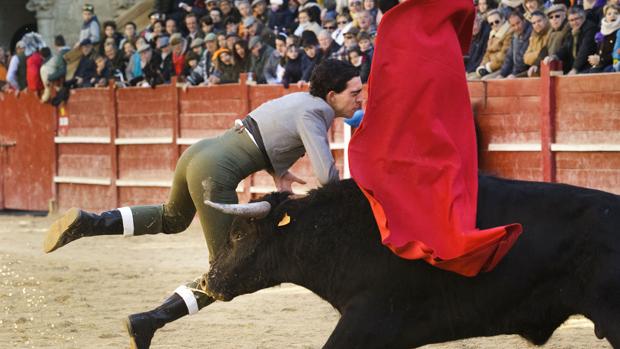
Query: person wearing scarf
{"points": [[602, 61]]}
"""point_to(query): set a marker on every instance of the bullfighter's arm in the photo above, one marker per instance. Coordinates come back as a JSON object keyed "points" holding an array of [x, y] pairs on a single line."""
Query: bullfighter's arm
{"points": [[312, 130]]}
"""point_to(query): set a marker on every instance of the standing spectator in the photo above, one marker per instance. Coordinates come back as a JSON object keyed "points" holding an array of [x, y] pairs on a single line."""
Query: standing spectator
{"points": [[191, 62], [328, 46], [497, 46], [34, 62], [371, 7], [259, 11], [55, 69], [204, 69], [293, 70], [133, 71], [579, 45], [478, 46], [171, 27], [274, 69], [531, 6], [559, 29], [16, 75], [178, 54], [86, 69], [179, 9], [90, 26], [191, 24], [538, 41], [280, 18], [365, 23], [514, 66], [165, 53], [197, 46], [4, 65], [129, 34], [226, 71], [109, 31], [306, 24], [242, 56], [229, 11], [367, 50], [602, 61], [260, 56]]}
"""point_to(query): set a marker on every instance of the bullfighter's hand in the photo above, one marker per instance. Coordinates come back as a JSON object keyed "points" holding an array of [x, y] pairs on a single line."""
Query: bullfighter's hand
{"points": [[285, 182]]}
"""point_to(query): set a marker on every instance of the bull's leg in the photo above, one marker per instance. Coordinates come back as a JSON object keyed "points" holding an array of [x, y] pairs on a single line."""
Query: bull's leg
{"points": [[364, 325]]}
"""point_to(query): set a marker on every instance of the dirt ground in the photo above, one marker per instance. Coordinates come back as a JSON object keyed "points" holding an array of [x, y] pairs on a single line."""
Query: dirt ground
{"points": [[76, 297]]}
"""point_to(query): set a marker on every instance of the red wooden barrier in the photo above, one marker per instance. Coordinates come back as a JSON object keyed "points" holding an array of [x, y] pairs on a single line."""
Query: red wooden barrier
{"points": [[121, 145]]}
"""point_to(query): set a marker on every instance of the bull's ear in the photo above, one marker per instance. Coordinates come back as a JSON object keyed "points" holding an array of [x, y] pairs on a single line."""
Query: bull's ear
{"points": [[285, 220]]}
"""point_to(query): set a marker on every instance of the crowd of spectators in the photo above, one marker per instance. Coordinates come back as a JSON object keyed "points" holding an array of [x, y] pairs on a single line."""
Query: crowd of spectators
{"points": [[207, 42]]}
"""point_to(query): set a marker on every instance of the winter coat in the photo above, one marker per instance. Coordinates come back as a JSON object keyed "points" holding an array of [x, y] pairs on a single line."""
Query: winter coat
{"points": [[538, 41], [59, 69], [292, 72], [33, 71], [91, 30], [477, 48], [258, 64], [497, 46], [606, 48], [556, 39], [577, 47], [513, 64]]}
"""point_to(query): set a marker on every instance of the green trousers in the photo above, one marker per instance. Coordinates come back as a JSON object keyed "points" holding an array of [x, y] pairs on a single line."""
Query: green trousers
{"points": [[211, 168]]}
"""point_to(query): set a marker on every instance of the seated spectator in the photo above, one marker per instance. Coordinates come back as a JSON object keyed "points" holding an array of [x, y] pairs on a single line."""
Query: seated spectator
{"points": [[579, 45], [231, 40], [150, 62], [255, 27], [602, 60], [292, 66], [531, 6], [197, 46], [260, 55], [244, 10], [356, 58], [350, 41], [154, 17], [259, 11], [365, 23], [232, 26], [177, 43], [311, 56], [179, 9], [134, 68], [478, 46], [355, 7], [90, 26], [344, 23], [484, 6], [165, 53], [229, 12], [538, 41], [241, 55], [274, 69], [497, 46], [594, 10], [280, 18], [157, 31], [16, 74], [513, 64], [55, 69], [305, 24], [327, 45], [128, 50], [216, 17], [129, 34], [191, 62], [206, 24], [221, 40], [226, 71], [115, 60], [559, 29], [109, 31], [103, 72], [86, 69], [329, 25]]}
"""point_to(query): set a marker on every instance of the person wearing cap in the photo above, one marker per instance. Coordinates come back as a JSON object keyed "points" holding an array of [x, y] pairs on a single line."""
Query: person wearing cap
{"points": [[86, 68], [226, 70], [204, 69], [272, 137], [197, 46], [151, 62], [259, 11], [559, 29], [177, 43], [90, 25], [253, 27], [164, 51], [229, 12], [16, 74], [260, 55]]}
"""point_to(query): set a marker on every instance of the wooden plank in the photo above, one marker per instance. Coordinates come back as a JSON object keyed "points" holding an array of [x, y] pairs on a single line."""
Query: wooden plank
{"points": [[513, 88], [589, 83], [586, 102], [131, 196], [476, 89], [95, 198], [511, 105], [146, 162], [515, 165]]}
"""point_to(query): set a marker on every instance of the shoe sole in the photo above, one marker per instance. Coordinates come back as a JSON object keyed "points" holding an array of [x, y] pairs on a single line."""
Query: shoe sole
{"points": [[53, 238], [132, 339]]}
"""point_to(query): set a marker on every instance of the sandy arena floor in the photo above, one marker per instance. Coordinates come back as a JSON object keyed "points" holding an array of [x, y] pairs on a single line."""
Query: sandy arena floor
{"points": [[76, 297]]}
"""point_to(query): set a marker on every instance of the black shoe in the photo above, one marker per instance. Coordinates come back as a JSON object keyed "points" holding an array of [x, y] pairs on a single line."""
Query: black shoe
{"points": [[142, 326], [76, 223]]}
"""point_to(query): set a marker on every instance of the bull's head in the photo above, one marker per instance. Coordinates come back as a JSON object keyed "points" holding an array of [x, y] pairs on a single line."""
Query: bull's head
{"points": [[238, 268]]}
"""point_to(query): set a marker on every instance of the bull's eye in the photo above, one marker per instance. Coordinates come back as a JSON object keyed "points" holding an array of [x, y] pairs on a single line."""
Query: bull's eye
{"points": [[236, 236]]}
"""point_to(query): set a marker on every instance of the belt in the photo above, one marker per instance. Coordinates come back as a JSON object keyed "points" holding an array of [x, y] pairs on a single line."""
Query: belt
{"points": [[251, 127]]}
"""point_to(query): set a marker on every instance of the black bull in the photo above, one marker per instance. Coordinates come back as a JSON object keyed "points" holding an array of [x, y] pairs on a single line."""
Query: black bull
{"points": [[567, 261]]}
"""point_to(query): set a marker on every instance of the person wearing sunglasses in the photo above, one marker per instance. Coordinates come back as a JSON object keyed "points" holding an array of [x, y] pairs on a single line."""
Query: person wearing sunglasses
{"points": [[559, 28], [343, 22], [579, 45], [497, 46], [538, 41]]}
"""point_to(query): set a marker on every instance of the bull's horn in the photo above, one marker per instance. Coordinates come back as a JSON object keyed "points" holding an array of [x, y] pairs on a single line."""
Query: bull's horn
{"points": [[258, 209]]}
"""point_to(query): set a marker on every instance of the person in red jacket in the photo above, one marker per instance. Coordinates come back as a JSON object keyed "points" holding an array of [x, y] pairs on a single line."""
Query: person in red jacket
{"points": [[33, 69]]}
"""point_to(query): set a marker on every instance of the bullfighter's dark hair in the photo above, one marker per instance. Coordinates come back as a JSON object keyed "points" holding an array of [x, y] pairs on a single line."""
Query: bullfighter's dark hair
{"points": [[331, 75]]}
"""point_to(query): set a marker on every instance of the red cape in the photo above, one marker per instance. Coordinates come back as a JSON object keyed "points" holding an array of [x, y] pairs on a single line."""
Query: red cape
{"points": [[414, 155]]}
